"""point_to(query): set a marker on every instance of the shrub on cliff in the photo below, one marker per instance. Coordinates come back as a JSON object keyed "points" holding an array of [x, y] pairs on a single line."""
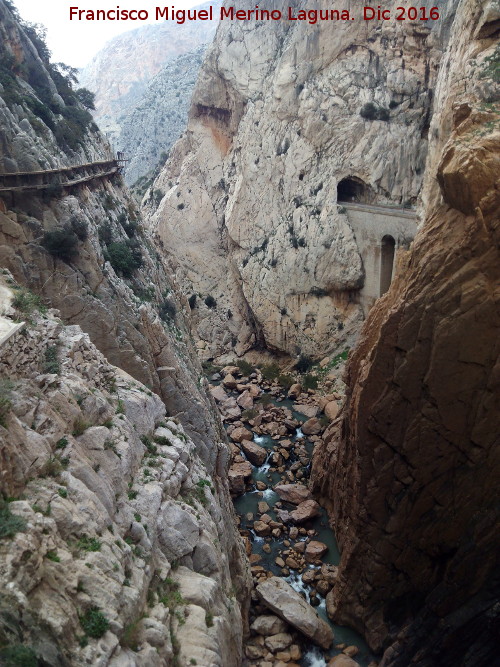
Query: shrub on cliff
{"points": [[245, 367], [17, 655], [94, 623], [371, 111], [79, 226], [210, 301], [167, 310], [122, 258], [310, 382], [10, 524], [303, 364], [270, 372], [61, 243], [86, 97]]}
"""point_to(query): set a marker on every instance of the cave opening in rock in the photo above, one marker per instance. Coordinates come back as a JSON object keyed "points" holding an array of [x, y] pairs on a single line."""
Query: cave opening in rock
{"points": [[386, 262], [353, 189]]}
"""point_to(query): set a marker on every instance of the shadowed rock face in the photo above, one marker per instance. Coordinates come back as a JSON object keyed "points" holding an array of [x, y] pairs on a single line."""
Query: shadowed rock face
{"points": [[409, 468]]}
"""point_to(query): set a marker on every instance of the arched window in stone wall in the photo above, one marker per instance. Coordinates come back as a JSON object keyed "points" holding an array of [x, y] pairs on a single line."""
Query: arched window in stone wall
{"points": [[353, 189], [386, 262]]}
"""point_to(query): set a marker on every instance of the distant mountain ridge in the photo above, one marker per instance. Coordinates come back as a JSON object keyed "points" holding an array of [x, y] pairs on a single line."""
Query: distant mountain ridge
{"points": [[150, 129], [120, 73]]}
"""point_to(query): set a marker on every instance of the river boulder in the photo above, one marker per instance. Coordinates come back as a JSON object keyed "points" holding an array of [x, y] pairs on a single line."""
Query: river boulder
{"points": [[293, 493], [312, 426], [239, 434], [267, 624], [237, 474], [281, 598], [305, 511], [343, 661], [254, 452], [315, 550]]}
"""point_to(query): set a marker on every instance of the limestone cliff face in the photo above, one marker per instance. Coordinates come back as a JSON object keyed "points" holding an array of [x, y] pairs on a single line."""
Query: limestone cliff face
{"points": [[250, 194], [409, 467], [119, 307], [116, 542], [71, 421], [43, 125], [151, 128]]}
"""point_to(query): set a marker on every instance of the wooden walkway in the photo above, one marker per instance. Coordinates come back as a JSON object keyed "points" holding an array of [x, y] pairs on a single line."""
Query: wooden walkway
{"points": [[64, 177]]}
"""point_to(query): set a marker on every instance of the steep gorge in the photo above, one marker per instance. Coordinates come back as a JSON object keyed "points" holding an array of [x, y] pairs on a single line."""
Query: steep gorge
{"points": [[250, 230], [281, 114]]}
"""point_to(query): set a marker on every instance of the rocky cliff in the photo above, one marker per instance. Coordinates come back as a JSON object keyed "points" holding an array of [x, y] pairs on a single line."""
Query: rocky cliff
{"points": [[282, 113], [83, 250], [115, 540], [111, 281], [409, 467]]}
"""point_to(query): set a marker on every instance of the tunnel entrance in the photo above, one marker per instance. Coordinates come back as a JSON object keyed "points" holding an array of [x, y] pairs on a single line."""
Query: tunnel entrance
{"points": [[386, 262], [353, 189]]}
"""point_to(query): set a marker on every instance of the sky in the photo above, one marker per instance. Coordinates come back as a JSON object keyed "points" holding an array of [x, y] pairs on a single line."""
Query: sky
{"points": [[76, 42]]}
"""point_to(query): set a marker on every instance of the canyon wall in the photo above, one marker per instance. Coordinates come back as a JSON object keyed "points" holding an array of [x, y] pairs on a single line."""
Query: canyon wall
{"points": [[249, 197], [105, 416], [129, 305], [150, 129], [116, 543], [409, 467]]}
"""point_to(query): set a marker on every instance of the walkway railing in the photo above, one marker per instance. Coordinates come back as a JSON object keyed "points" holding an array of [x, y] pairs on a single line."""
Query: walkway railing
{"points": [[381, 208], [63, 176]]}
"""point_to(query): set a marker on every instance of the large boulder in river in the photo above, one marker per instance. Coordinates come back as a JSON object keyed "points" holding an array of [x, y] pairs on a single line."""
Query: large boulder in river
{"points": [[315, 550], [280, 597], [230, 409], [305, 511], [307, 410], [255, 454], [219, 394], [294, 391], [239, 434], [245, 400], [293, 493], [237, 475], [229, 381], [332, 410], [312, 426], [343, 661], [268, 625]]}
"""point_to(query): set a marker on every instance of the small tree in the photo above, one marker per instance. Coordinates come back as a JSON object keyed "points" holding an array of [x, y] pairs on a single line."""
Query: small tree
{"points": [[368, 111], [167, 310], [61, 243], [210, 301], [303, 364], [86, 97], [79, 226], [123, 259]]}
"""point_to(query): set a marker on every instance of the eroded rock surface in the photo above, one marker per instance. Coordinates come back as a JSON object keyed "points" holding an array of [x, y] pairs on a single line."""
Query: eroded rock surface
{"points": [[103, 509], [275, 118]]}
